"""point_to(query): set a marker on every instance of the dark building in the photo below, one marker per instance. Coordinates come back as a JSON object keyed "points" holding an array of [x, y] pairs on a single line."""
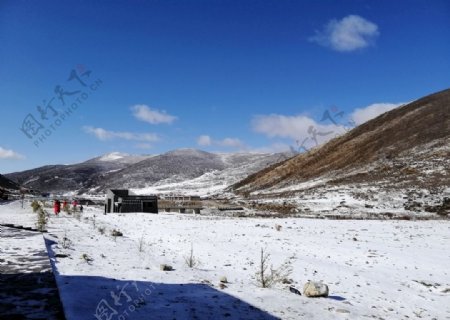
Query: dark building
{"points": [[123, 201]]}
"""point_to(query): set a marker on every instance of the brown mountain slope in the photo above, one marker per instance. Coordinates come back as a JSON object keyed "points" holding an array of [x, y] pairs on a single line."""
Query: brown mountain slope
{"points": [[424, 123]]}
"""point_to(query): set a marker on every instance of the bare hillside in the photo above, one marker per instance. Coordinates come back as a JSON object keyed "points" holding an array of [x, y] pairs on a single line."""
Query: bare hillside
{"points": [[394, 165], [421, 126]]}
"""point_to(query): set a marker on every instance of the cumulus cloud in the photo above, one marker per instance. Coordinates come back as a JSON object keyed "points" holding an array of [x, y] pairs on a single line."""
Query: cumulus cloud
{"points": [[144, 113], [10, 154], [105, 135], [293, 127], [276, 125], [306, 132], [351, 33], [230, 142], [361, 115], [205, 140], [272, 148]]}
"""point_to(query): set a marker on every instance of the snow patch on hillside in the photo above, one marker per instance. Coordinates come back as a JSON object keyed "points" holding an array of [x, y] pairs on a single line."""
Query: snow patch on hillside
{"points": [[113, 156]]}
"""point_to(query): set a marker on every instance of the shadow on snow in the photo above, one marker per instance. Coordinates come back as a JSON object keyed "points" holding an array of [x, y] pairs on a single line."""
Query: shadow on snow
{"points": [[29, 296], [104, 298], [86, 297]]}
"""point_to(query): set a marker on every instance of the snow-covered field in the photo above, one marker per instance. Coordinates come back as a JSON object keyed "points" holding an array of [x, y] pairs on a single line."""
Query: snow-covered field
{"points": [[358, 201], [375, 269]]}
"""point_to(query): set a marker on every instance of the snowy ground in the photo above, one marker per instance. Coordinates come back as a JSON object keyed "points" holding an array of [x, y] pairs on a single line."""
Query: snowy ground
{"points": [[354, 201], [27, 285], [375, 269]]}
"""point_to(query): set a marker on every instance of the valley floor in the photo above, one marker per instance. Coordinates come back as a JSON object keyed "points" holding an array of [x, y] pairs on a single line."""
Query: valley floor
{"points": [[374, 269]]}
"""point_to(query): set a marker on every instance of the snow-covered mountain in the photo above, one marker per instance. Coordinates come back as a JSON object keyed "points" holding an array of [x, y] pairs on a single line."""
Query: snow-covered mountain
{"points": [[62, 178], [187, 171], [180, 171], [398, 161], [234, 167], [119, 157]]}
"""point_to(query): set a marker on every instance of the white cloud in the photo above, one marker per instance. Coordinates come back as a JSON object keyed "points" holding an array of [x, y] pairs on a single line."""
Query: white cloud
{"points": [[272, 148], [145, 113], [306, 132], [230, 142], [105, 135], [361, 115], [205, 140], [10, 154], [351, 33], [275, 125], [293, 127]]}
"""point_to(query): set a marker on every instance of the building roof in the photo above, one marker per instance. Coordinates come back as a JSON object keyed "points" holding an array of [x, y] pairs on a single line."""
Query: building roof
{"points": [[120, 192], [124, 193]]}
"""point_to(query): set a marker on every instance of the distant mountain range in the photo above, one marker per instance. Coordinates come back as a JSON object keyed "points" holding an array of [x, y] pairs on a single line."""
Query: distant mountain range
{"points": [[71, 177], [118, 170]]}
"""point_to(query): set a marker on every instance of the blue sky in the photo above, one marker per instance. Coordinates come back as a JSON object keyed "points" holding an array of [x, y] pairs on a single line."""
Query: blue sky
{"points": [[214, 75]]}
